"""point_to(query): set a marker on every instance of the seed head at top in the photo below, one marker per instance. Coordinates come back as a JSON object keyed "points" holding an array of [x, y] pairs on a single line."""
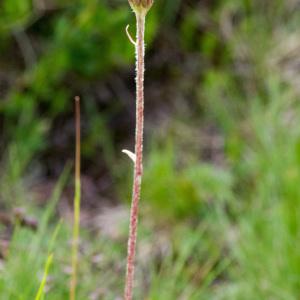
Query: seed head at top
{"points": [[140, 6]]}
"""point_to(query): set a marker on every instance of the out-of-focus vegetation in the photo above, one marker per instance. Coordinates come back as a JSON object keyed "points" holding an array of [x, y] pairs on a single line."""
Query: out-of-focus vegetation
{"points": [[220, 208]]}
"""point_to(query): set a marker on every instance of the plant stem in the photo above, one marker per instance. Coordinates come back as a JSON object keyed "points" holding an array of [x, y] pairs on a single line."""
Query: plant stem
{"points": [[138, 166], [76, 221], [40, 292]]}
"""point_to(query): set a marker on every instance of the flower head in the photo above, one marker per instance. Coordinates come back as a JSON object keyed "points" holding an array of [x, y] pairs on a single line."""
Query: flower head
{"points": [[140, 6]]}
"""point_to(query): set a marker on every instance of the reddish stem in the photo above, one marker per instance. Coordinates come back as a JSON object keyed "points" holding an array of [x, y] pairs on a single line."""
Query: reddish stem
{"points": [[76, 221], [138, 166]]}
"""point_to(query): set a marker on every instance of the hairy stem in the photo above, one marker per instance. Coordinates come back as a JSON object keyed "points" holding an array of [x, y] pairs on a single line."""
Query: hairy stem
{"points": [[76, 221], [138, 166]]}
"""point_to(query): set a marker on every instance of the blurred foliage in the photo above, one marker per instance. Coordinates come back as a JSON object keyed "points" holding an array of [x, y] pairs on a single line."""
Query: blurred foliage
{"points": [[62, 47], [181, 191]]}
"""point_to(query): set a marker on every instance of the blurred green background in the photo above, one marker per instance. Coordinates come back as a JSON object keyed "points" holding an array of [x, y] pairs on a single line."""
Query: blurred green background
{"points": [[220, 209]]}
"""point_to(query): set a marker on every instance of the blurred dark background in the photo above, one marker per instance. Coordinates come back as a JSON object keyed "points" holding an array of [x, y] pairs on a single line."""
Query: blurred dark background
{"points": [[52, 51]]}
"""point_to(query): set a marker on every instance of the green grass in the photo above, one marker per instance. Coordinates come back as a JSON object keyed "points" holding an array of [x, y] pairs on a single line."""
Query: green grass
{"points": [[214, 230], [207, 232], [240, 241], [266, 245]]}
